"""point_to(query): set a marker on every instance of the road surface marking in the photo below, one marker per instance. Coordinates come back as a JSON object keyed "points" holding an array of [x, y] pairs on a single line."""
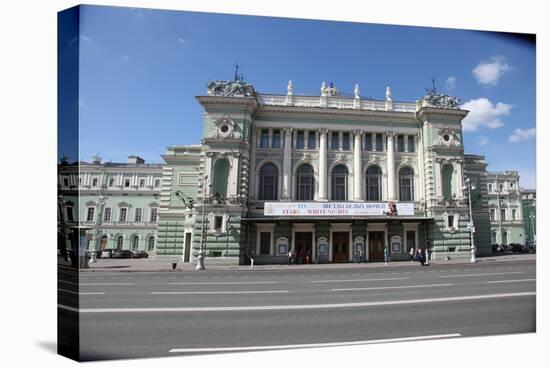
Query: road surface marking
{"points": [[205, 283], [81, 293], [405, 286], [478, 275], [296, 307], [107, 283], [511, 281], [355, 280], [316, 345], [221, 292]]}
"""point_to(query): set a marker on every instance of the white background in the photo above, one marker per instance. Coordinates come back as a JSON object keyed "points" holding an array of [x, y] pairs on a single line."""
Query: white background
{"points": [[28, 182]]}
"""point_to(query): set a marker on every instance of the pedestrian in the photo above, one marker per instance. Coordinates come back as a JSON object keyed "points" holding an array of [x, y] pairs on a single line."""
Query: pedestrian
{"points": [[421, 257], [308, 257], [411, 252], [290, 256]]}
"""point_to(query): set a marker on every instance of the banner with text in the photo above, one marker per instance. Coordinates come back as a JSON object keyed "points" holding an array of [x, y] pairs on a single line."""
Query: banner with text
{"points": [[337, 209]]}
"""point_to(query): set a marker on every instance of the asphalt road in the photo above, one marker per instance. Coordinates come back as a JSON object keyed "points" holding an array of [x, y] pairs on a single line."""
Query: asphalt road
{"points": [[128, 315]]}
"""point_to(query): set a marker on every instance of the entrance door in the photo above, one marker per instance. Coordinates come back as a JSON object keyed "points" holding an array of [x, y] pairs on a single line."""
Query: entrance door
{"points": [[340, 247], [376, 246], [103, 243], [303, 242], [187, 246]]}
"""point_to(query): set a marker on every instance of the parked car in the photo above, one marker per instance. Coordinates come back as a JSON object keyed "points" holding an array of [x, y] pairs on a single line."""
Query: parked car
{"points": [[122, 254], [106, 253], [138, 254], [519, 248]]}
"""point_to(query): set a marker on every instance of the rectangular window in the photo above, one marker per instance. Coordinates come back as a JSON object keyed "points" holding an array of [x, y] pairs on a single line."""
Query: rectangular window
{"points": [[80, 181], [90, 214], [127, 182], [368, 142], [345, 141], [122, 214], [153, 217], [450, 221], [490, 187], [141, 182], [502, 214], [513, 214], [300, 139], [411, 240], [501, 187], [311, 140], [276, 139], [412, 147], [138, 212], [70, 216], [379, 143], [218, 222], [66, 182], [265, 243], [400, 143], [111, 182], [264, 139], [94, 182], [492, 214], [157, 183], [334, 143], [107, 216]]}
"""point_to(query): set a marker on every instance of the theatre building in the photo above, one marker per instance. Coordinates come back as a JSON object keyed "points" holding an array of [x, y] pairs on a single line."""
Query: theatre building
{"points": [[329, 177]]}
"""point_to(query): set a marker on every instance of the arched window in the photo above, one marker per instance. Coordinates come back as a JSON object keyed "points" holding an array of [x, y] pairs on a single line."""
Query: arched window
{"points": [[135, 242], [221, 174], [406, 186], [340, 183], [304, 182], [151, 244], [119, 242], [374, 183], [268, 182], [447, 174]]}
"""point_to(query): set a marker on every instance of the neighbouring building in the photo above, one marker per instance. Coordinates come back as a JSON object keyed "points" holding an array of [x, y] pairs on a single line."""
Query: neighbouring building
{"points": [[117, 202], [329, 177], [505, 208], [529, 210]]}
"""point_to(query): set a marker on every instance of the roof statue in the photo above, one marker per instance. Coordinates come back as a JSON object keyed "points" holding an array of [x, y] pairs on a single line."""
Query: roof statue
{"points": [[323, 89], [332, 91], [440, 101], [388, 94], [289, 88], [356, 91], [237, 88]]}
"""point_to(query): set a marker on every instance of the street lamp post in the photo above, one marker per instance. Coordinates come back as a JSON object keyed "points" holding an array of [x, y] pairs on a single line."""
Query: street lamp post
{"points": [[470, 186], [200, 258]]}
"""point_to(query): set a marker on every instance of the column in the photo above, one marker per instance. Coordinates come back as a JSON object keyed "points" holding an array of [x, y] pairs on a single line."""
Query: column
{"points": [[459, 178], [323, 164], [287, 156], [208, 172], [391, 166], [438, 192], [234, 177], [357, 192]]}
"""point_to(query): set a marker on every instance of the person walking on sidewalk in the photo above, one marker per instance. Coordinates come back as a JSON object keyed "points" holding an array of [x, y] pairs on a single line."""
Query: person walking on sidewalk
{"points": [[420, 257], [290, 257]]}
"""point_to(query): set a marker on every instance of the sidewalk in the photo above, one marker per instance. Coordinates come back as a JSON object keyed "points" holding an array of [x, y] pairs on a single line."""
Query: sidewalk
{"points": [[162, 265]]}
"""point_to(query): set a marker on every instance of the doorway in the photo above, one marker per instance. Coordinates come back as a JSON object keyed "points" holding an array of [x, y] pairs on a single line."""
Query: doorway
{"points": [[187, 247], [103, 243], [376, 246], [340, 247], [303, 244]]}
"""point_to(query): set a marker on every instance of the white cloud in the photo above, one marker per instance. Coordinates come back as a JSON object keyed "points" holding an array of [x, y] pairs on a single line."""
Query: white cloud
{"points": [[483, 140], [181, 40], [522, 134], [484, 114], [450, 83], [488, 72]]}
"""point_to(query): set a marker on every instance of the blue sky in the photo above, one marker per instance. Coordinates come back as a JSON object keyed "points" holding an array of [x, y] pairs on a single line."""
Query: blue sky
{"points": [[140, 70]]}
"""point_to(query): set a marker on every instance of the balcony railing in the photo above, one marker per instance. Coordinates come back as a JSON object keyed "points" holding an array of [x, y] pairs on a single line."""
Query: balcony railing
{"points": [[334, 102]]}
